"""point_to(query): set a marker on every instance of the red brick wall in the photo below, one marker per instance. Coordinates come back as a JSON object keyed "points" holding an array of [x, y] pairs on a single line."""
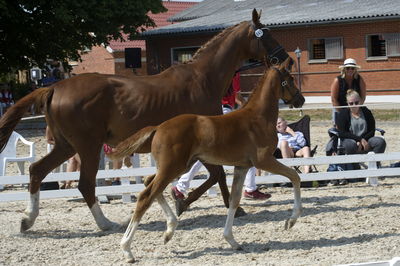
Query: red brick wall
{"points": [[316, 76], [97, 60]]}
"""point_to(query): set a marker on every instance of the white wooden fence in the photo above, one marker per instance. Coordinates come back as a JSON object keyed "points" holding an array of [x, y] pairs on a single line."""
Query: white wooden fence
{"points": [[125, 189]]}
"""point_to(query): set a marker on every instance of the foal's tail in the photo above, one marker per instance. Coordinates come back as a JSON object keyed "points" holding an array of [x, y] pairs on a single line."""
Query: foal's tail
{"points": [[10, 119], [138, 142]]}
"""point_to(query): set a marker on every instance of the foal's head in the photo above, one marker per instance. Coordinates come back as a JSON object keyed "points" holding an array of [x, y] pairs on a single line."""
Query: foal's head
{"points": [[263, 44], [289, 92]]}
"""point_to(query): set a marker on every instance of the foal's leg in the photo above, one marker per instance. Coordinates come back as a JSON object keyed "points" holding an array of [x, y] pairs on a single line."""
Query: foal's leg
{"points": [[270, 164], [38, 172], [236, 194], [146, 197], [217, 174], [87, 184]]}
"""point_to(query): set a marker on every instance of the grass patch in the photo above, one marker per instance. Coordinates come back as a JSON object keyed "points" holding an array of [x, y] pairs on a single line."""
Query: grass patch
{"points": [[392, 115]]}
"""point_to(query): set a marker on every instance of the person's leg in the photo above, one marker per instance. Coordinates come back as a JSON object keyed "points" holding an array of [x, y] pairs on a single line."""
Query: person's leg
{"points": [[306, 153], [350, 146], [286, 151], [184, 181], [117, 164], [377, 144], [251, 191]]}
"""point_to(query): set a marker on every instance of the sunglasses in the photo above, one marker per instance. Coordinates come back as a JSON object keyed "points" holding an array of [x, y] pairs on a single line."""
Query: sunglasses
{"points": [[350, 68], [354, 103]]}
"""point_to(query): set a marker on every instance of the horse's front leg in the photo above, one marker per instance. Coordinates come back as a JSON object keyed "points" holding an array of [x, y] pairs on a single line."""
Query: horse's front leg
{"points": [[270, 164], [236, 194]]}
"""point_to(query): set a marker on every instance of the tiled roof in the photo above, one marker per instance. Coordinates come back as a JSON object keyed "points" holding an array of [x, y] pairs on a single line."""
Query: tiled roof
{"points": [[211, 15], [160, 20]]}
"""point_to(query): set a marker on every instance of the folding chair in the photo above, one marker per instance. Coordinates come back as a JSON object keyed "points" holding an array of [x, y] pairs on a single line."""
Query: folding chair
{"points": [[302, 125]]}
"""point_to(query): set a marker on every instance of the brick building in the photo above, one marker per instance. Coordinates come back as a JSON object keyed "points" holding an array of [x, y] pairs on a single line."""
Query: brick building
{"points": [[111, 59], [326, 31]]}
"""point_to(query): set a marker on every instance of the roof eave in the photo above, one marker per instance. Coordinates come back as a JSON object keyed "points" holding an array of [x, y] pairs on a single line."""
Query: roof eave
{"points": [[280, 25]]}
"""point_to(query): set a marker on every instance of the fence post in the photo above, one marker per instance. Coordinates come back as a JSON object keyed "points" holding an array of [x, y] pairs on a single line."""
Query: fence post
{"points": [[373, 181]]}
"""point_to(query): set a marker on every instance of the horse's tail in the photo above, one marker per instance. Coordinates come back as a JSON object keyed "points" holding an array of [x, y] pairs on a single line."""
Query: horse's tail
{"points": [[138, 142], [10, 119]]}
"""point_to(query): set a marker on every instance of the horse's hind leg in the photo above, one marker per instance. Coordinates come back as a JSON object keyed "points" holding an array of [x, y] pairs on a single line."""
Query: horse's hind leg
{"points": [[87, 185], [38, 172], [152, 191], [272, 165], [217, 174]]}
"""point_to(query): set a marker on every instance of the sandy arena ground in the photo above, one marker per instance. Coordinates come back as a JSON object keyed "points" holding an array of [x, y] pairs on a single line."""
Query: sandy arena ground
{"points": [[345, 224]]}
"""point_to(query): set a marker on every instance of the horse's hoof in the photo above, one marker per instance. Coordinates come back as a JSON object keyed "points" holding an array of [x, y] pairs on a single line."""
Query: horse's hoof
{"points": [[290, 223], [240, 212], [130, 260], [25, 225], [111, 227], [167, 237], [180, 206]]}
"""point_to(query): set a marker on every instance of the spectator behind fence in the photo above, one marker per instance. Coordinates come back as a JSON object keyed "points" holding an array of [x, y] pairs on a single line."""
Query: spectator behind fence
{"points": [[356, 128], [349, 79], [292, 143]]}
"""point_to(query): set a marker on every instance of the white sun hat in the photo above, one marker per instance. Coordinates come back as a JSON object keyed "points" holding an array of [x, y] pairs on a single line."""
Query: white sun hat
{"points": [[349, 62]]}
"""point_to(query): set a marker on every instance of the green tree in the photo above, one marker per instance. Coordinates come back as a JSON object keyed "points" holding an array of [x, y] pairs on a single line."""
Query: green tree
{"points": [[32, 31]]}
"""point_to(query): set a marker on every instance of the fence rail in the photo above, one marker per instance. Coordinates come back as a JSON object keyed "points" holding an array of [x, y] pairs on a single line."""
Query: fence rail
{"points": [[126, 189]]}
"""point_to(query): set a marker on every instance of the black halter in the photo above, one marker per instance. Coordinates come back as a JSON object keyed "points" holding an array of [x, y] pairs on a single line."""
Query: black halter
{"points": [[275, 55], [285, 86]]}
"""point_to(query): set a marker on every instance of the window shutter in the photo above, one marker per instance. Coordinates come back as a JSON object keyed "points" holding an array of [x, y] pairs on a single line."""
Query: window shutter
{"points": [[333, 48], [392, 44]]}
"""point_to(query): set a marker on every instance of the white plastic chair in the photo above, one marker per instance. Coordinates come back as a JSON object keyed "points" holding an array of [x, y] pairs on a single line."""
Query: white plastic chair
{"points": [[9, 154]]}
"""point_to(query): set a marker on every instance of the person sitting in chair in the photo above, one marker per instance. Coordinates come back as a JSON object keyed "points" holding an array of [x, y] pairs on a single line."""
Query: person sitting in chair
{"points": [[356, 127], [292, 143]]}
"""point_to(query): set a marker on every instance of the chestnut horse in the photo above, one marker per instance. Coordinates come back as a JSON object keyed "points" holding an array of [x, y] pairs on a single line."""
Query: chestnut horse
{"points": [[87, 110], [177, 143]]}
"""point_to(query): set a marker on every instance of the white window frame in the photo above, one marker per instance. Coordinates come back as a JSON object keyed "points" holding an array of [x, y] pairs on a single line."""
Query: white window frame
{"points": [[330, 41], [392, 45], [173, 49]]}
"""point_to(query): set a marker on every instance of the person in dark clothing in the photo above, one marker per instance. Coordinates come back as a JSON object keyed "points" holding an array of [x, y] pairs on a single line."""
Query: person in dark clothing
{"points": [[356, 127], [349, 79]]}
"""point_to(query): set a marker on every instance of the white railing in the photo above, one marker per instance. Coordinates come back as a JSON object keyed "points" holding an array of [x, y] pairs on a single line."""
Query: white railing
{"points": [[125, 189]]}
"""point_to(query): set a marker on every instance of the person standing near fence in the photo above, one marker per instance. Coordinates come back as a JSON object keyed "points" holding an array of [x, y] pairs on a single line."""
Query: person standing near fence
{"points": [[349, 79]]}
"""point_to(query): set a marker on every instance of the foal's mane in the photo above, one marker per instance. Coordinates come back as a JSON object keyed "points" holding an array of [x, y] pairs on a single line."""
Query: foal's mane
{"points": [[260, 83], [216, 37]]}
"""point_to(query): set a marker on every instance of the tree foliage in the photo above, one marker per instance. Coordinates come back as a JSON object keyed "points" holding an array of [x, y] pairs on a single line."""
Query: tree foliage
{"points": [[33, 31]]}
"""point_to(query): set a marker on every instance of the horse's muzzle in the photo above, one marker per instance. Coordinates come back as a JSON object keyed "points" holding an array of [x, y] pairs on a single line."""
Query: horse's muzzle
{"points": [[298, 101]]}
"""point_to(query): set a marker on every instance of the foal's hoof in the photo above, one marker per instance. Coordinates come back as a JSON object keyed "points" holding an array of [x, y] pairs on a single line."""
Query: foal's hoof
{"points": [[180, 206], [240, 212], [290, 223]]}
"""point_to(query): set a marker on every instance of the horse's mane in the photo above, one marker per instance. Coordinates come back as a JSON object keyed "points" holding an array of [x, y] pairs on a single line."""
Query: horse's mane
{"points": [[260, 83], [212, 40]]}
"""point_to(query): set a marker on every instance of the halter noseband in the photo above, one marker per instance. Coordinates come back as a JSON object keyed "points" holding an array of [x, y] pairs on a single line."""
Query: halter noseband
{"points": [[285, 86]]}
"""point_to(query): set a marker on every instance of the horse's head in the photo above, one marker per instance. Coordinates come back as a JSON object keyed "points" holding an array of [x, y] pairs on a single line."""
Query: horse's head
{"points": [[263, 44], [290, 94]]}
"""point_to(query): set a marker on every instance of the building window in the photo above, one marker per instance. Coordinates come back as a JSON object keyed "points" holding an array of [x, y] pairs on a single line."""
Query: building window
{"points": [[383, 45], [326, 48], [184, 54]]}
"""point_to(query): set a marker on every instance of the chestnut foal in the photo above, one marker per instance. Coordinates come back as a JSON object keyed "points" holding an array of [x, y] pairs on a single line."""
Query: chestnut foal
{"points": [[243, 139]]}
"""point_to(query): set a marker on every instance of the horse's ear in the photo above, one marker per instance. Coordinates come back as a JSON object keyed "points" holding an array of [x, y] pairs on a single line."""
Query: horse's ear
{"points": [[287, 64], [259, 15], [256, 18]]}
